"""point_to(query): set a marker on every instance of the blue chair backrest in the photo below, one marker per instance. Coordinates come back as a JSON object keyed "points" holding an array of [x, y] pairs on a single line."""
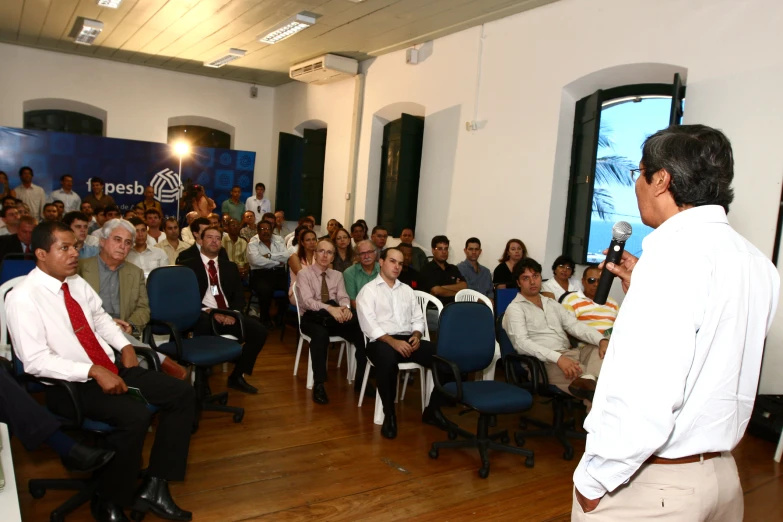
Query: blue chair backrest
{"points": [[466, 335], [11, 268], [503, 339], [174, 296], [503, 298]]}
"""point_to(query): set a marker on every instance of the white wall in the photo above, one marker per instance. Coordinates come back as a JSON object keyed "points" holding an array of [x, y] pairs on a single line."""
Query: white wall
{"points": [[508, 179], [138, 100]]}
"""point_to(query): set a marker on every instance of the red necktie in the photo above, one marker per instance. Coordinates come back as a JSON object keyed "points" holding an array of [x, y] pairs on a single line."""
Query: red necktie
{"points": [[84, 333], [213, 281]]}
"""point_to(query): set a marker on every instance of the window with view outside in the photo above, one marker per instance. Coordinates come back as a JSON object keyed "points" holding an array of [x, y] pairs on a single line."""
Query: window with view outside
{"points": [[625, 124]]}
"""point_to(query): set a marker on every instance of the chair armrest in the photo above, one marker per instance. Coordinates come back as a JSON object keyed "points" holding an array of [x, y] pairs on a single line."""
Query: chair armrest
{"points": [[530, 363], [70, 390], [454, 371], [216, 326], [149, 355], [149, 339]]}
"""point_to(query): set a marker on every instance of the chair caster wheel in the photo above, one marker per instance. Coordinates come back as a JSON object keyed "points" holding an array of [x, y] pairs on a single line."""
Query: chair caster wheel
{"points": [[137, 516], [37, 492], [529, 462], [452, 435], [239, 416], [484, 472], [504, 439], [568, 454], [519, 439], [433, 453]]}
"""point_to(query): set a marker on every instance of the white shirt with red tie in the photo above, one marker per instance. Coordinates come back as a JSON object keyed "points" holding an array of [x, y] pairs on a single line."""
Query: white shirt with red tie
{"points": [[209, 301]]}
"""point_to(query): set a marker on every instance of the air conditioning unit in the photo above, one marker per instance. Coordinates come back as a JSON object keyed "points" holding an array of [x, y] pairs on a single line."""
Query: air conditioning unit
{"points": [[324, 69]]}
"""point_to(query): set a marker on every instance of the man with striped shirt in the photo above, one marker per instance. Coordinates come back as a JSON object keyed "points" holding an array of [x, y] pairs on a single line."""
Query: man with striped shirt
{"points": [[582, 306]]}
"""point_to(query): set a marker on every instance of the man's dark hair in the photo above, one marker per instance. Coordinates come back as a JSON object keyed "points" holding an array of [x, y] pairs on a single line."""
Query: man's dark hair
{"points": [[47, 205], [588, 268], [111, 208], [43, 234], [405, 245], [153, 211], [197, 223], [31, 172], [376, 228], [210, 227], [473, 240], [261, 185], [385, 251], [700, 161], [264, 222], [96, 179], [62, 178], [57, 201], [524, 264], [408, 228], [267, 216], [357, 225], [75, 215], [5, 200], [171, 219], [136, 221], [4, 210], [237, 186], [564, 260], [99, 210], [438, 240]]}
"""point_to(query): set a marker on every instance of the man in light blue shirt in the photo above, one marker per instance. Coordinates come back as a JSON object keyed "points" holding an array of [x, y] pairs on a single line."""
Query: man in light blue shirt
{"points": [[478, 277]]}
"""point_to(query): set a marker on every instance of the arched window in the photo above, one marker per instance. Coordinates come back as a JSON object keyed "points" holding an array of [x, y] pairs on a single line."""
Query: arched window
{"points": [[609, 129], [198, 136], [63, 121]]}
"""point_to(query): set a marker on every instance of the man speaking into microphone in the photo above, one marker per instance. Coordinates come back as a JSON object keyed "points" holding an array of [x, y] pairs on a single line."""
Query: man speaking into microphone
{"points": [[680, 374]]}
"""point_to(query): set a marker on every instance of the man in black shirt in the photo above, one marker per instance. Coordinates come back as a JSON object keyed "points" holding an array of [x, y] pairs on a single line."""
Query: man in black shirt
{"points": [[438, 277], [408, 274]]}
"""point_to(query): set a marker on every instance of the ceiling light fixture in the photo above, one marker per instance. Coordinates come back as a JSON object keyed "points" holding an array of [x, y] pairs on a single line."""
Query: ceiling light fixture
{"points": [[85, 31], [114, 4], [289, 27], [220, 61]]}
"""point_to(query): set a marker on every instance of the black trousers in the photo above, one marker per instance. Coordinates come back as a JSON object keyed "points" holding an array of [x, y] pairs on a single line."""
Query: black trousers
{"points": [[27, 420], [385, 359], [319, 342], [130, 418], [264, 283], [255, 337]]}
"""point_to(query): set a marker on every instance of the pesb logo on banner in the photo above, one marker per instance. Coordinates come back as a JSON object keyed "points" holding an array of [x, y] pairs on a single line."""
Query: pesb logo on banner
{"points": [[166, 186]]}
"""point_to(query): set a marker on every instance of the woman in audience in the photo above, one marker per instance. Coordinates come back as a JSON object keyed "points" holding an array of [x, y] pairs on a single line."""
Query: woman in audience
{"points": [[302, 258], [363, 223], [560, 283], [514, 252], [5, 189], [24, 210], [294, 248], [345, 255]]}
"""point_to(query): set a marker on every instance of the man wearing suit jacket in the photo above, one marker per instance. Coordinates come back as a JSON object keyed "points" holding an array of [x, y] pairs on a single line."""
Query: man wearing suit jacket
{"points": [[196, 228], [18, 243], [220, 286]]}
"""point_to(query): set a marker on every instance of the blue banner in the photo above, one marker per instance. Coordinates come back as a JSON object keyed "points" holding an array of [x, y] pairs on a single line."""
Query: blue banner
{"points": [[126, 166]]}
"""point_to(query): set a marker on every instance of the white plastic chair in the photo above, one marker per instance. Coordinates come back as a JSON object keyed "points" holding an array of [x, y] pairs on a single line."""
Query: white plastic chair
{"points": [[424, 299], [5, 347], [471, 295], [779, 450], [332, 339]]}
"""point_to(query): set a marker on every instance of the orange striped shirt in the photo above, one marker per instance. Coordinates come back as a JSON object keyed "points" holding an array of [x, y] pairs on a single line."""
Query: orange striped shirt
{"points": [[600, 317]]}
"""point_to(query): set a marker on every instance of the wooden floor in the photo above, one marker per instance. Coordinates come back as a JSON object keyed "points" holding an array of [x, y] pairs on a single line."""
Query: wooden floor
{"points": [[291, 459]]}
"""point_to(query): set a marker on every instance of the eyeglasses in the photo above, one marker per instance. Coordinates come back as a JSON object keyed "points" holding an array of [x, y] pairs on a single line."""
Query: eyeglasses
{"points": [[591, 280], [323, 251], [565, 266], [635, 173]]}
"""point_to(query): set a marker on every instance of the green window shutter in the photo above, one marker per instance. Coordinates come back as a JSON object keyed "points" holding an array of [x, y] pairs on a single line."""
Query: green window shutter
{"points": [[289, 175], [587, 124], [678, 94], [313, 155]]}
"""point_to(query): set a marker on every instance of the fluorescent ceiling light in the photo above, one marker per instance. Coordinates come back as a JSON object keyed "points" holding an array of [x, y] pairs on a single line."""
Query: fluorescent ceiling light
{"points": [[85, 31], [220, 61], [287, 28], [114, 4]]}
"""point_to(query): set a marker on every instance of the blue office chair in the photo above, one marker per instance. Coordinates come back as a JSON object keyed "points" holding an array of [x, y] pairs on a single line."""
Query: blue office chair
{"points": [[466, 344], [529, 373], [175, 308], [503, 298], [15, 265]]}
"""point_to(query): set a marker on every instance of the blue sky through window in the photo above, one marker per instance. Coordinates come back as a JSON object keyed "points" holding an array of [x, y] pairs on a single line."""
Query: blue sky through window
{"points": [[625, 127]]}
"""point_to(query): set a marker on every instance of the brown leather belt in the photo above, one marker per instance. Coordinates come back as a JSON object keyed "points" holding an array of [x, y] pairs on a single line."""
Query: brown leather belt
{"points": [[654, 459]]}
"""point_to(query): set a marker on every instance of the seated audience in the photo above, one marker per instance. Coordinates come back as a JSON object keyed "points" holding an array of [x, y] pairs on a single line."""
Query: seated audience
{"points": [[560, 283], [392, 320], [236, 248], [257, 203], [70, 199], [361, 273], [537, 326], [78, 223], [50, 212], [378, 238], [202, 204], [19, 243], [280, 227], [87, 210], [153, 218], [187, 235], [267, 259], [149, 202], [221, 288], [581, 305], [60, 209], [503, 277], [97, 198], [358, 233], [10, 223], [142, 255], [233, 206], [172, 244], [303, 222], [438, 277], [248, 229], [325, 310], [408, 274], [194, 251], [345, 256], [419, 256], [73, 342], [332, 226], [476, 276], [108, 213], [302, 258], [129, 214]]}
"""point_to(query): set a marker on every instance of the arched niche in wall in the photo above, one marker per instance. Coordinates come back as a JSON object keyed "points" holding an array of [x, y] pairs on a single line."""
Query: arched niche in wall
{"points": [[63, 115], [200, 131], [301, 158]]}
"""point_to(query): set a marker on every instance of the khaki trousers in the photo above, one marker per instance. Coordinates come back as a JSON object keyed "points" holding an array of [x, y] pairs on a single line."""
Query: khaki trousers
{"points": [[588, 360], [696, 492]]}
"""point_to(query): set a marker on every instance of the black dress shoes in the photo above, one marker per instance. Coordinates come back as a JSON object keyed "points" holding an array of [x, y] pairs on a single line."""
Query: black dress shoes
{"points": [[389, 428], [154, 496], [103, 511], [239, 383], [83, 459], [434, 417], [319, 394], [369, 391]]}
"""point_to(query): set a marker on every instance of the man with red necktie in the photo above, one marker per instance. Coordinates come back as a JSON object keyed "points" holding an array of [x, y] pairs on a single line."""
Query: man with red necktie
{"points": [[60, 331]]}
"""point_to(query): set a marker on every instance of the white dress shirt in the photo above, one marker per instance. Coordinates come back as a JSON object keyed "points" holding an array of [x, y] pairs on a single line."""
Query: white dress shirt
{"points": [[71, 200], [187, 235], [259, 256], [149, 259], [209, 300], [92, 241], [551, 285], [253, 204], [388, 311], [34, 197], [681, 371], [41, 329]]}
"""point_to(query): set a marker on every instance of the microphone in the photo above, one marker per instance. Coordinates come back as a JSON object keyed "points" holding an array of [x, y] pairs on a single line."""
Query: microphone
{"points": [[621, 231]]}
